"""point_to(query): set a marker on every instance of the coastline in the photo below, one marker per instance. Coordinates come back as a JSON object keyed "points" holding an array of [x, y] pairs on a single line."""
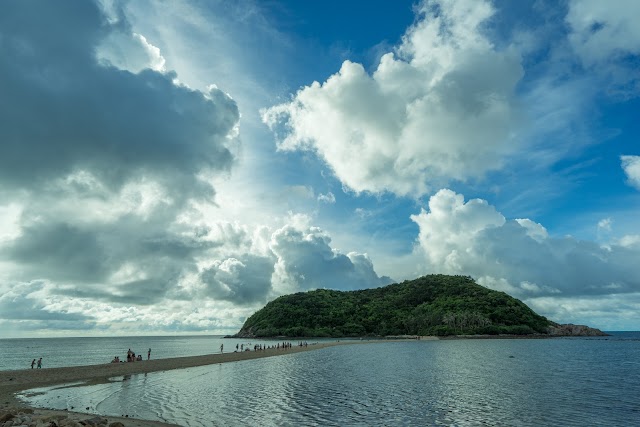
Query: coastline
{"points": [[12, 382]]}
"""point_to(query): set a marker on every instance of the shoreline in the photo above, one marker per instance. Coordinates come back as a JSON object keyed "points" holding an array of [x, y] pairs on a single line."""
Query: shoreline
{"points": [[12, 382]]}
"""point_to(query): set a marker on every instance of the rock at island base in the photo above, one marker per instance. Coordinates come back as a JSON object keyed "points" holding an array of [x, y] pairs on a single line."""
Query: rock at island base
{"points": [[571, 330]]}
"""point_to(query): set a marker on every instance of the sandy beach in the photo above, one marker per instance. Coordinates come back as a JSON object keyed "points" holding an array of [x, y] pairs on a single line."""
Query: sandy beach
{"points": [[12, 382]]}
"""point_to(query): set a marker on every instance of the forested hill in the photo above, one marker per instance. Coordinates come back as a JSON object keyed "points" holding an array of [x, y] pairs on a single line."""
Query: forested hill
{"points": [[429, 305]]}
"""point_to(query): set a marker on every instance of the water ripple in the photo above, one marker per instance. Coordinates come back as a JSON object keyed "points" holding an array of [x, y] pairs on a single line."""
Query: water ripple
{"points": [[442, 383]]}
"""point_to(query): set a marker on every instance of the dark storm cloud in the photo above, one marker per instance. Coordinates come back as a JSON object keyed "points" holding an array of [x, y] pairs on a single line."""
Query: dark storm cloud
{"points": [[61, 111], [83, 145], [137, 292], [84, 260], [61, 252], [242, 280]]}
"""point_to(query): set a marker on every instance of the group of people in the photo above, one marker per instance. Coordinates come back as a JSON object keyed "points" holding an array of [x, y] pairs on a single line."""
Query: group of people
{"points": [[262, 347], [241, 347], [39, 363], [131, 357]]}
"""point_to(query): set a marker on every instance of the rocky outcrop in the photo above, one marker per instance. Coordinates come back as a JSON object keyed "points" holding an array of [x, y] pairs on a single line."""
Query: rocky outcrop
{"points": [[243, 333], [571, 330]]}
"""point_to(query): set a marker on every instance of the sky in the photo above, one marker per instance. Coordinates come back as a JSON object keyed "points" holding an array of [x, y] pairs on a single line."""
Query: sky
{"points": [[169, 167]]}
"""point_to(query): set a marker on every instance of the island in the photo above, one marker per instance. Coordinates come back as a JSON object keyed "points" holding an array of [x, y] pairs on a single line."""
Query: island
{"points": [[440, 306], [432, 305]]}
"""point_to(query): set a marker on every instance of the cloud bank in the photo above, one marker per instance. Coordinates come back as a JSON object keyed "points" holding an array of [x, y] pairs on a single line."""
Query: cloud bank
{"points": [[519, 257]]}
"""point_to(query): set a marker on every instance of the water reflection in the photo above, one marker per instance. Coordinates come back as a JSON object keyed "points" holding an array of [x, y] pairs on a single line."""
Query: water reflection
{"points": [[462, 383]]}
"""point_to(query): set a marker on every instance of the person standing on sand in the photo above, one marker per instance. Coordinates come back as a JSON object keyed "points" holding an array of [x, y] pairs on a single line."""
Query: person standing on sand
{"points": [[221, 347], [149, 354], [33, 363], [40, 363]]}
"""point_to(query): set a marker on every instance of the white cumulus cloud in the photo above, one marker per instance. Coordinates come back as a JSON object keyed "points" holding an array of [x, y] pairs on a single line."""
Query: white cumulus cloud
{"points": [[440, 107], [327, 198], [605, 224], [306, 260]]}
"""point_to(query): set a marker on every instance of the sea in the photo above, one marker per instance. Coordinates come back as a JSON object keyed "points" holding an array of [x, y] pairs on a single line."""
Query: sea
{"points": [[461, 382]]}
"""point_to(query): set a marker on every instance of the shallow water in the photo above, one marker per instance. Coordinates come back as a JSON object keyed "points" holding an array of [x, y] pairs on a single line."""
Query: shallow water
{"points": [[569, 382]]}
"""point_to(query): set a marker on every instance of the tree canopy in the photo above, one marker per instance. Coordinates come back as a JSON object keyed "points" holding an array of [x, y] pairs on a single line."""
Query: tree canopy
{"points": [[429, 305]]}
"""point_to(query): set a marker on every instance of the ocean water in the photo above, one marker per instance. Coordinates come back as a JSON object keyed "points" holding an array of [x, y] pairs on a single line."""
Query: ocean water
{"points": [[517, 382]]}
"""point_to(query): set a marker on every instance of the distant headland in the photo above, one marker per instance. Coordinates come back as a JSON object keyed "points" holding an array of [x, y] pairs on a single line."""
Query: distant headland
{"points": [[439, 305]]}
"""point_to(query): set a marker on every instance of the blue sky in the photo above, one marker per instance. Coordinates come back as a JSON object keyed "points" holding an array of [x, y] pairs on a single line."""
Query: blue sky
{"points": [[170, 167]]}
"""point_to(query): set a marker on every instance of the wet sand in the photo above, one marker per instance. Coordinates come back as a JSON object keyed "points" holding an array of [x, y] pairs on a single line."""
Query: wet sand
{"points": [[15, 381]]}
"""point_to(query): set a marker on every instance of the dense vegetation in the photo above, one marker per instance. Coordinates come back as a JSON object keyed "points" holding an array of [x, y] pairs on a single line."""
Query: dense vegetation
{"points": [[429, 305]]}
